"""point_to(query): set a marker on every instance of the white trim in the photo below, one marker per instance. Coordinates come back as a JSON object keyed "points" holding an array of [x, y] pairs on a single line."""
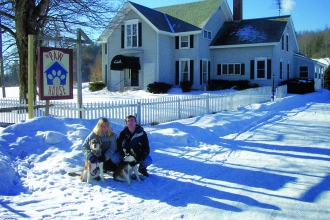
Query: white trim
{"points": [[256, 67], [180, 68], [307, 72], [243, 45], [207, 70], [131, 23], [208, 32], [232, 74], [287, 38], [180, 42], [169, 24]]}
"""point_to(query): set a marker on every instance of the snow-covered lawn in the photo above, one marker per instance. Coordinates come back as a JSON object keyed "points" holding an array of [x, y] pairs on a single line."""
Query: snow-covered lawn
{"points": [[263, 161]]}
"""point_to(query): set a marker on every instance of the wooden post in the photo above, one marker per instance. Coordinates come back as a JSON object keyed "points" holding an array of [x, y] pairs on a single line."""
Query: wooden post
{"points": [[47, 108], [79, 75], [30, 74]]}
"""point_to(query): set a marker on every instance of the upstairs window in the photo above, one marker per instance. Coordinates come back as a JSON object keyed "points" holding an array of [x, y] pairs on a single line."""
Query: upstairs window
{"points": [[287, 43], [207, 34], [283, 42], [131, 34], [184, 42]]}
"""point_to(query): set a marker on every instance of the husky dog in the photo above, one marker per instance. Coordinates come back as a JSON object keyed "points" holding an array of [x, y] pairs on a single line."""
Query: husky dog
{"points": [[126, 168], [92, 170]]}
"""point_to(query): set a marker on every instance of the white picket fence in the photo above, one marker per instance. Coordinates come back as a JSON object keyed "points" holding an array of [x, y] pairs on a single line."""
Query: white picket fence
{"points": [[281, 91], [147, 111]]}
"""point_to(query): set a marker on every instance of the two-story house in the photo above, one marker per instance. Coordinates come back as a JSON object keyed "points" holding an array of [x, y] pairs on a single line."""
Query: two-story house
{"points": [[197, 42]]}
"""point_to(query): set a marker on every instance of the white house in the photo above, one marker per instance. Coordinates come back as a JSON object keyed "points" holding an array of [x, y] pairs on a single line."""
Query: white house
{"points": [[200, 41]]}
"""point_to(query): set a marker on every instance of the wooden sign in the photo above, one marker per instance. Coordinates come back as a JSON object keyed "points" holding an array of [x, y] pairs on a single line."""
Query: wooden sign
{"points": [[55, 67]]}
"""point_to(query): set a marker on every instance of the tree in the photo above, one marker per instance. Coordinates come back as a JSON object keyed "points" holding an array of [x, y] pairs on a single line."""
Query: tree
{"points": [[21, 18], [327, 78], [96, 70]]}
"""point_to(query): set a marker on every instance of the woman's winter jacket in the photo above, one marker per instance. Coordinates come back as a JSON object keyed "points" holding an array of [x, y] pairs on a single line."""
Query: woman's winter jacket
{"points": [[109, 145]]}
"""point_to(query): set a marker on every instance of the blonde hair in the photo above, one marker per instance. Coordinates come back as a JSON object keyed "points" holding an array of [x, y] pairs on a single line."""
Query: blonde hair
{"points": [[97, 129]]}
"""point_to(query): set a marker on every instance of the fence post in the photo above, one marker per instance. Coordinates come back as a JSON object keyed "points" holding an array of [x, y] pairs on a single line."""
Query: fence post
{"points": [[179, 108], [207, 104], [138, 113]]}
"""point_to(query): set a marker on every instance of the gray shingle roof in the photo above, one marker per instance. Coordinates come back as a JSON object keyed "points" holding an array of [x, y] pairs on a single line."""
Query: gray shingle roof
{"points": [[185, 17], [252, 31]]}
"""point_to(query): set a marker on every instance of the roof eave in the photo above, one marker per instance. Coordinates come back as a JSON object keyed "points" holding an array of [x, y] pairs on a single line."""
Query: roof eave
{"points": [[244, 45]]}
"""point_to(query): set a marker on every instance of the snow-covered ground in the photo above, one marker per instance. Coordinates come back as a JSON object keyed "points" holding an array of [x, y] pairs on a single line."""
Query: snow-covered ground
{"points": [[263, 161]]}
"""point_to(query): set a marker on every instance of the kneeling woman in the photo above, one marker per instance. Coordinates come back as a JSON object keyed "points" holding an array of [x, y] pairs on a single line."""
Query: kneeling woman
{"points": [[102, 132]]}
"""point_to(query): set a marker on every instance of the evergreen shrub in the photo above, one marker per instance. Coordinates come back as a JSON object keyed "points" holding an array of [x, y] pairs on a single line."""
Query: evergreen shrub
{"points": [[185, 86], [327, 78], [96, 86], [299, 86], [219, 84], [158, 87]]}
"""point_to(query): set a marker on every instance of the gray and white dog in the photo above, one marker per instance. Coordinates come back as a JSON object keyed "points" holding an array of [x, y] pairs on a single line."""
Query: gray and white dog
{"points": [[126, 168]]}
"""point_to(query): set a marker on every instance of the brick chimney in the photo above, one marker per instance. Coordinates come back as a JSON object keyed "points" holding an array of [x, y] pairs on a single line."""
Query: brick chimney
{"points": [[238, 10]]}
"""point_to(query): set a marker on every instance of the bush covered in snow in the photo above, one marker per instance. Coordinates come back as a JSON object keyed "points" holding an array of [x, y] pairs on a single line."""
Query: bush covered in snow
{"points": [[218, 84], [299, 86]]}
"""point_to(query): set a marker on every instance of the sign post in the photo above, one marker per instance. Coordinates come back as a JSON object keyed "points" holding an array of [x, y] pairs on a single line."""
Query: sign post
{"points": [[30, 75], [58, 77]]}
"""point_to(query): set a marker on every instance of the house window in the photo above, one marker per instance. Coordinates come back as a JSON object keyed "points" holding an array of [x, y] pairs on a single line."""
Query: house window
{"points": [[204, 71], [207, 34], [184, 42], [287, 43], [131, 34], [224, 69], [315, 72], [261, 70], [184, 69], [303, 72], [231, 69], [283, 43], [288, 71], [281, 70]]}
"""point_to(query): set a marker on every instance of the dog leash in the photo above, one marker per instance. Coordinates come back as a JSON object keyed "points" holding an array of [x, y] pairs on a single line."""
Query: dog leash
{"points": [[90, 166]]}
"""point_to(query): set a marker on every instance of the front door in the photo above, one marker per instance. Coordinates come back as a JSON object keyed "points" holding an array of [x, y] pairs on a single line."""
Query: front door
{"points": [[134, 77]]}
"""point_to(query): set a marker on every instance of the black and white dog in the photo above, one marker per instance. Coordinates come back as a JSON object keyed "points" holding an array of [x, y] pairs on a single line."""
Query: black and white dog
{"points": [[95, 169], [126, 168]]}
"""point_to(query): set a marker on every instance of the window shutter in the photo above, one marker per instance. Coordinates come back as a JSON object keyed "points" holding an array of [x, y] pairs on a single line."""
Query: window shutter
{"points": [[140, 34], [252, 69], [219, 70], [192, 72], [177, 72], [209, 72], [269, 69], [201, 71], [123, 36], [242, 69], [177, 42], [191, 41]]}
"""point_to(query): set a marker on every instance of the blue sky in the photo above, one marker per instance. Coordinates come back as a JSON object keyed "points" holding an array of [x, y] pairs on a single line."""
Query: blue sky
{"points": [[307, 15]]}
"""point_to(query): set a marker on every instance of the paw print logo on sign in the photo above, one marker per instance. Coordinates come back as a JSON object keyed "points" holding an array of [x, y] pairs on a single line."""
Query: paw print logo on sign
{"points": [[56, 75]]}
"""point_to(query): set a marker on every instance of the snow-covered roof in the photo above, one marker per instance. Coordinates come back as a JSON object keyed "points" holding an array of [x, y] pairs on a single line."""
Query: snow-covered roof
{"points": [[252, 31]]}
